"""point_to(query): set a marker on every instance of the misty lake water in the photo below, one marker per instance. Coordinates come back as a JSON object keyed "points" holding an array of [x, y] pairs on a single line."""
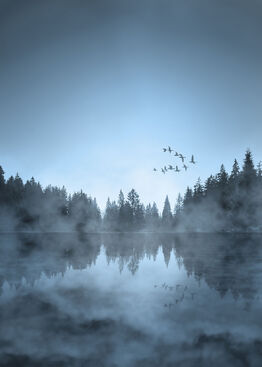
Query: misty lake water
{"points": [[130, 300]]}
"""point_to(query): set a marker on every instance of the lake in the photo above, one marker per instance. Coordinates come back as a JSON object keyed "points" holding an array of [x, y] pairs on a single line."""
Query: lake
{"points": [[130, 300]]}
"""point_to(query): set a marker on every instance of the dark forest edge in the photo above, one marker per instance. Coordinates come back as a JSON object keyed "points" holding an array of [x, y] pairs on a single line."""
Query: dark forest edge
{"points": [[224, 203]]}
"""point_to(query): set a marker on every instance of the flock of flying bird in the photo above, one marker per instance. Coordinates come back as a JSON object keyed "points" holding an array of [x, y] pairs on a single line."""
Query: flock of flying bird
{"points": [[172, 168]]}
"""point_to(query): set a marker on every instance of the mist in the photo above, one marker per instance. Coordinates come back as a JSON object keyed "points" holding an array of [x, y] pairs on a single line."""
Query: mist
{"points": [[130, 299], [130, 183]]}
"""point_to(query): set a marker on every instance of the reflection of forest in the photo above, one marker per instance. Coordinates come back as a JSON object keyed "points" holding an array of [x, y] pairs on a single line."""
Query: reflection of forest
{"points": [[226, 262]]}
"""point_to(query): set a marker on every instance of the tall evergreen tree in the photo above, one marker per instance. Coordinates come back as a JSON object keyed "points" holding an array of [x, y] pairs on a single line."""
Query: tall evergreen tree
{"points": [[2, 185], [188, 196], [179, 205], [167, 214], [222, 177], [235, 172], [259, 169], [178, 209], [198, 190], [248, 172]]}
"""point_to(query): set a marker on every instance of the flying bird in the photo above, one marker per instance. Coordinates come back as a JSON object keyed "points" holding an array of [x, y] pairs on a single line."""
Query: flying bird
{"points": [[176, 154], [185, 167], [169, 149], [164, 149], [154, 169], [182, 157], [192, 160], [177, 170], [170, 167], [165, 168], [162, 169]]}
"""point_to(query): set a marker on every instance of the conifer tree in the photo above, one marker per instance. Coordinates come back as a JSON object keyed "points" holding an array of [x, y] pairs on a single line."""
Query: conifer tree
{"points": [[2, 185], [235, 172], [248, 172], [167, 214]]}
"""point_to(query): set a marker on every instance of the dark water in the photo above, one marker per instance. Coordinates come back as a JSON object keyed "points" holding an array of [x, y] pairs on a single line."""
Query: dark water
{"points": [[130, 300]]}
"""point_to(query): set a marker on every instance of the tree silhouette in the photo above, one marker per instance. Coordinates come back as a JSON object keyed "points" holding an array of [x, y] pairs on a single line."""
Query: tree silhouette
{"points": [[224, 203], [167, 215]]}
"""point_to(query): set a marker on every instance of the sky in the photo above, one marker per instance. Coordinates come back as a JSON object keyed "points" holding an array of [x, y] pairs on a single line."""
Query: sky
{"points": [[91, 91]]}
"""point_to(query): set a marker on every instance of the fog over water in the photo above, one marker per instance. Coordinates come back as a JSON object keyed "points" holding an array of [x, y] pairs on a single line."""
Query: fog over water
{"points": [[130, 300]]}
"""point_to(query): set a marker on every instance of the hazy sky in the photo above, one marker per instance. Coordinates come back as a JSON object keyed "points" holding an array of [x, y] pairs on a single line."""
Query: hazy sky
{"points": [[90, 91]]}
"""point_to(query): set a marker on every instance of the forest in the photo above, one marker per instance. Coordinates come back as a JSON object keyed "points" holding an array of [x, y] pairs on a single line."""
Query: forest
{"points": [[225, 202]]}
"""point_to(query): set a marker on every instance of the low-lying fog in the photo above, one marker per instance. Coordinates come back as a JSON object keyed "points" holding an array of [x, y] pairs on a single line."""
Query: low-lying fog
{"points": [[130, 300]]}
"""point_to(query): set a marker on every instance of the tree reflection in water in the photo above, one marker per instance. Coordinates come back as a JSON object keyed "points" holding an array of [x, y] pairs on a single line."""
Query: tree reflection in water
{"points": [[130, 299]]}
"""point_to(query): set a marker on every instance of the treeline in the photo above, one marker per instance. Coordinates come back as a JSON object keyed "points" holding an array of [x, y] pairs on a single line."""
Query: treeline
{"points": [[225, 202], [30, 207]]}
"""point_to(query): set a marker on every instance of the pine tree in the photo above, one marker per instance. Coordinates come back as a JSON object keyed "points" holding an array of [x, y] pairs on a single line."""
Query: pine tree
{"points": [[178, 209], [188, 197], [2, 185], [18, 189], [121, 199], [222, 181], [148, 215], [248, 172], [222, 177], [198, 190], [179, 205], [155, 216], [235, 172], [2, 178], [133, 199], [121, 210], [167, 214], [259, 169], [137, 210], [111, 216]]}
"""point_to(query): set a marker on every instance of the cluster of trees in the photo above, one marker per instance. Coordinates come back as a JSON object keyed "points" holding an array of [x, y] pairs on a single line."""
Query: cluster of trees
{"points": [[130, 214], [226, 202], [30, 207]]}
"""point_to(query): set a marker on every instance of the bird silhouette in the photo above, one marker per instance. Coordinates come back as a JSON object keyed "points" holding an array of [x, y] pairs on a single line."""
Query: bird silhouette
{"points": [[170, 167], [164, 149], [162, 169], [192, 160], [154, 169], [177, 170], [176, 154], [165, 168], [169, 149], [182, 157], [185, 167]]}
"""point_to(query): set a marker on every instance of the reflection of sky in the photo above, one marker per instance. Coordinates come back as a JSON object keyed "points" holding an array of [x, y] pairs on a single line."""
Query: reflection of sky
{"points": [[90, 92], [105, 293]]}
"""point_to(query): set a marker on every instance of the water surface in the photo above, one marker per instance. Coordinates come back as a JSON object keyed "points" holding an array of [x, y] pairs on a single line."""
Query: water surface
{"points": [[130, 300]]}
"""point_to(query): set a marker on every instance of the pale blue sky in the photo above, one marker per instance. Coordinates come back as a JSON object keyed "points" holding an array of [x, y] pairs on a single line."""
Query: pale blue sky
{"points": [[90, 92]]}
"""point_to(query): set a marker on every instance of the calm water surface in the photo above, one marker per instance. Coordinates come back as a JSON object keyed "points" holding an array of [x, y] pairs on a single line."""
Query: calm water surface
{"points": [[130, 300]]}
